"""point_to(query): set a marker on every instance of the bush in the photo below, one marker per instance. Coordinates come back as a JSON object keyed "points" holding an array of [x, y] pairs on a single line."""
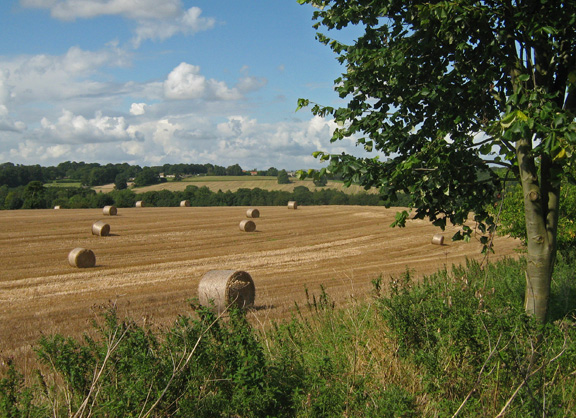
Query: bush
{"points": [[460, 328]]}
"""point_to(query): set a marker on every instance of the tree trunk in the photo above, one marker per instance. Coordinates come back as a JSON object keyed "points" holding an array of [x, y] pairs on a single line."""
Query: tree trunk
{"points": [[541, 201]]}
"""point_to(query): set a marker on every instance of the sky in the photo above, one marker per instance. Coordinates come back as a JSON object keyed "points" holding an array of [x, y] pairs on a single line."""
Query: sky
{"points": [[153, 82]]}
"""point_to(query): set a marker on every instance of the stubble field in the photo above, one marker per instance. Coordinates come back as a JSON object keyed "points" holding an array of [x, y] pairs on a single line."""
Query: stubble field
{"points": [[152, 262]]}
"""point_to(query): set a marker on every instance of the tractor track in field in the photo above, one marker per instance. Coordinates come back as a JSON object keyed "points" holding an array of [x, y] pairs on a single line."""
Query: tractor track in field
{"points": [[152, 262]]}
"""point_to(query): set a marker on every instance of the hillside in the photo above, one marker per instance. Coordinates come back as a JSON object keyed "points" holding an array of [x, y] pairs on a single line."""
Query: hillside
{"points": [[233, 183]]}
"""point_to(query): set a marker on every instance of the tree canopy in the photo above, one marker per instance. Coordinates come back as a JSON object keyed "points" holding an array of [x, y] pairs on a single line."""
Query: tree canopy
{"points": [[440, 92]]}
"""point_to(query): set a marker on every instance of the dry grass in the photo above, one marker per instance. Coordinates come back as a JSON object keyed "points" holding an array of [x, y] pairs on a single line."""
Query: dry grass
{"points": [[152, 264], [226, 183]]}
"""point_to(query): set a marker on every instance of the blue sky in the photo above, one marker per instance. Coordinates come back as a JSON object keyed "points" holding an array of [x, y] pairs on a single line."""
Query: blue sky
{"points": [[152, 82]]}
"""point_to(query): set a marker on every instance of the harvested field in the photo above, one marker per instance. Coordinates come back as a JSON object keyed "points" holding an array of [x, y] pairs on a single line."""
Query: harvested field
{"points": [[225, 183], [155, 258]]}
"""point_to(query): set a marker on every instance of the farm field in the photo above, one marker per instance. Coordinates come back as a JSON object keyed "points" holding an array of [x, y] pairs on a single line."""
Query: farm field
{"points": [[232, 183], [154, 259]]}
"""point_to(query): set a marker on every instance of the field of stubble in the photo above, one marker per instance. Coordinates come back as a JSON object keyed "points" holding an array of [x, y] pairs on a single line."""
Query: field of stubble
{"points": [[152, 262]]}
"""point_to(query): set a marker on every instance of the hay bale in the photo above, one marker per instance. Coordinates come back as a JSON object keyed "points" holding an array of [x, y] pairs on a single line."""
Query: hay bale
{"points": [[140, 204], [110, 210], [438, 239], [253, 213], [82, 258], [100, 228], [247, 226], [57, 207], [220, 289], [292, 205], [185, 204]]}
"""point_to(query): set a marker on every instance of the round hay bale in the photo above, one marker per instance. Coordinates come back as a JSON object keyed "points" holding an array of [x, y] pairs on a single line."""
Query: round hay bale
{"points": [[438, 239], [110, 210], [292, 205], [253, 213], [57, 207], [82, 258], [185, 204], [100, 228], [247, 226], [220, 289], [140, 204]]}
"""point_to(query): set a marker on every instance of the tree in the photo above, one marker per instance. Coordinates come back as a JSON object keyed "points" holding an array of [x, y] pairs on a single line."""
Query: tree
{"points": [[444, 91], [320, 181], [146, 177], [34, 196], [234, 170], [272, 171], [283, 177], [121, 181]]}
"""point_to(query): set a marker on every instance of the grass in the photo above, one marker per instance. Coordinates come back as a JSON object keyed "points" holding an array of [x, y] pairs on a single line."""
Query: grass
{"points": [[233, 183], [202, 179], [456, 344], [64, 183]]}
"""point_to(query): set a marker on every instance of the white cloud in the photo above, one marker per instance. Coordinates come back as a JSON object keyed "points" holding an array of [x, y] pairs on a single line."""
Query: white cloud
{"points": [[75, 129], [187, 22], [57, 77], [186, 83], [6, 122], [249, 83], [138, 109], [155, 20], [131, 9]]}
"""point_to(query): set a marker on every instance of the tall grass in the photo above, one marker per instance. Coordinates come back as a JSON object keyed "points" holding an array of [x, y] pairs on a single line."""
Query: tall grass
{"points": [[454, 344]]}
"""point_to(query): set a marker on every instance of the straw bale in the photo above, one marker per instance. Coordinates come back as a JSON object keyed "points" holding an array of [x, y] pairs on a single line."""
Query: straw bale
{"points": [[292, 205], [185, 204], [110, 210], [253, 213], [82, 258], [57, 207], [438, 239], [140, 204], [220, 289], [101, 229], [247, 225]]}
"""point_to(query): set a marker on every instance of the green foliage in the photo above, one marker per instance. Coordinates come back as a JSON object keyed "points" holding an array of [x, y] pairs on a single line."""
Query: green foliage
{"points": [[120, 182], [443, 91], [283, 177], [15, 398], [468, 335], [321, 181], [146, 177]]}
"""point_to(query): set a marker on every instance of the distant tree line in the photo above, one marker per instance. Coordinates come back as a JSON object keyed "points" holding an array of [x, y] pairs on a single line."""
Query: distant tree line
{"points": [[94, 174], [36, 196]]}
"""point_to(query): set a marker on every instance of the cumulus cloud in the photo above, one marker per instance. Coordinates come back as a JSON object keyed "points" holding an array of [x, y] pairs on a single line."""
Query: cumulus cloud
{"points": [[131, 9], [186, 83], [71, 128], [49, 77], [138, 109], [187, 22], [6, 122], [249, 84], [155, 20]]}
